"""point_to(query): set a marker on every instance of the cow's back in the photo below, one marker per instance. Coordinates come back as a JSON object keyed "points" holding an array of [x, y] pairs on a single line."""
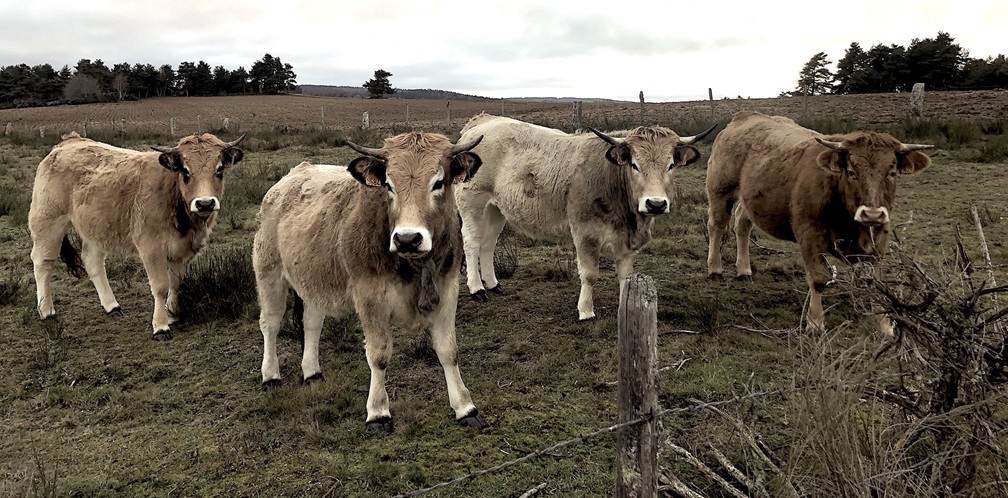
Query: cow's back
{"points": [[303, 222], [97, 186], [527, 171], [762, 157]]}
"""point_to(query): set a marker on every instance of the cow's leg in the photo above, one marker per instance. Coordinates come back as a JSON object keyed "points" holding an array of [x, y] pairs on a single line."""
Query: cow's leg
{"points": [[743, 228], [47, 235], [443, 338], [624, 267], [883, 324], [156, 264], [272, 289], [719, 210], [817, 275], [493, 225], [176, 273], [94, 262], [472, 238], [312, 322], [587, 250], [374, 313]]}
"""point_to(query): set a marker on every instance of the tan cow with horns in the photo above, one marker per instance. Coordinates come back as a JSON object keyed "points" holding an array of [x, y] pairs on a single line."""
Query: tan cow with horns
{"points": [[830, 194], [159, 205], [380, 237]]}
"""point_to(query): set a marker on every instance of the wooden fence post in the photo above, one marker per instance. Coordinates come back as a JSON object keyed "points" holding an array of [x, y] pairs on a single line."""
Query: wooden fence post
{"points": [[642, 123], [449, 114], [322, 111], [7, 130], [577, 115], [917, 102], [637, 445], [365, 121], [710, 96], [173, 127]]}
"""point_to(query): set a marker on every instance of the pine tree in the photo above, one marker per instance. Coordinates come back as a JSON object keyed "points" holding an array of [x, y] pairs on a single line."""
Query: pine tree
{"points": [[815, 77], [379, 86]]}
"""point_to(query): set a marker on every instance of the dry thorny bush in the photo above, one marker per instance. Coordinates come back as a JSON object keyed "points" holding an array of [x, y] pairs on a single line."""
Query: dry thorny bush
{"points": [[919, 414]]}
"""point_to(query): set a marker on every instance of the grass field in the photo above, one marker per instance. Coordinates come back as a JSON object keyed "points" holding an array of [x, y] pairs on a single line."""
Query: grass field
{"points": [[92, 407]]}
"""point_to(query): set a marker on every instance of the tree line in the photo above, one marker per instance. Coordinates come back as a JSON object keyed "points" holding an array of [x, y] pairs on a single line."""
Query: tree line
{"points": [[939, 63], [93, 81]]}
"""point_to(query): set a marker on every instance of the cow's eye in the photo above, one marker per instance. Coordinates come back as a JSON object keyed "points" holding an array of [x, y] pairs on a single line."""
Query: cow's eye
{"points": [[438, 185], [634, 166], [185, 175], [220, 173]]}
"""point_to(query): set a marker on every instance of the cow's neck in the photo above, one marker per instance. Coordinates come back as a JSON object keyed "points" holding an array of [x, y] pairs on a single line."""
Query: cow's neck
{"points": [[850, 238], [194, 228]]}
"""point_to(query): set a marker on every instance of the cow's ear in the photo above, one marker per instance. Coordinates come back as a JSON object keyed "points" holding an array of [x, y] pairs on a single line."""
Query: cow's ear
{"points": [[232, 156], [685, 154], [620, 155], [912, 162], [464, 166], [833, 161], [172, 161], [368, 170]]}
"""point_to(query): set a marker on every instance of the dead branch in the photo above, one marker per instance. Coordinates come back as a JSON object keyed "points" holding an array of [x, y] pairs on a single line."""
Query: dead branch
{"points": [[672, 483], [705, 470], [736, 473], [533, 491]]}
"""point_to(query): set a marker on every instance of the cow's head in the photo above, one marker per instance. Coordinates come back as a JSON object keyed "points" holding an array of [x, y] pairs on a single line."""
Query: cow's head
{"points": [[649, 154], [418, 171], [868, 164], [200, 161]]}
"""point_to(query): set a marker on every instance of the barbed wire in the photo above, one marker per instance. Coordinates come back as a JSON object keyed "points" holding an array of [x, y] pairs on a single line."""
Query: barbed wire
{"points": [[581, 439]]}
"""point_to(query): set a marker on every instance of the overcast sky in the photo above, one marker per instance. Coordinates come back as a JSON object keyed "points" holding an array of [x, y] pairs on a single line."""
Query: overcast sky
{"points": [[670, 50]]}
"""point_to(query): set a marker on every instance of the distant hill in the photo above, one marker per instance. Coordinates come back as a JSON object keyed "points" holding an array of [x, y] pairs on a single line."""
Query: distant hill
{"points": [[361, 93]]}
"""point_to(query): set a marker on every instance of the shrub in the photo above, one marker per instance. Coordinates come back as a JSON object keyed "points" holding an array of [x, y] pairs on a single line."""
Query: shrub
{"points": [[219, 284]]}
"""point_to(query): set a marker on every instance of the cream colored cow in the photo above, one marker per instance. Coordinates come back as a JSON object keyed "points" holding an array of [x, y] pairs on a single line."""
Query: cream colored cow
{"points": [[604, 194], [380, 237], [158, 205]]}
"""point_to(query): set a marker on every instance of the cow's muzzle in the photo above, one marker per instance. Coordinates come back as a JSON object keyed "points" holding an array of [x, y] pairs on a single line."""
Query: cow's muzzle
{"points": [[410, 242], [653, 205], [204, 205], [871, 217]]}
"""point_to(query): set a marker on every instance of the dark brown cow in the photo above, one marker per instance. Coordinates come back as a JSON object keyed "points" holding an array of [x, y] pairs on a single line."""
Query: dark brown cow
{"points": [[380, 237], [831, 194]]}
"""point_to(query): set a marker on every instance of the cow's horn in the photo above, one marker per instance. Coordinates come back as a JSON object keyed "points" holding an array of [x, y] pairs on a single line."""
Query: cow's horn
{"points": [[698, 137], [832, 145], [460, 148], [603, 136], [236, 141], [164, 150], [913, 147], [367, 151]]}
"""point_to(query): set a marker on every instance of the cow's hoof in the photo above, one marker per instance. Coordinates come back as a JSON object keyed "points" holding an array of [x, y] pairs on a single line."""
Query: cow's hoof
{"points": [[472, 420], [383, 425], [715, 276], [587, 319], [497, 290], [117, 311], [162, 335], [271, 384], [314, 378], [744, 278], [479, 296]]}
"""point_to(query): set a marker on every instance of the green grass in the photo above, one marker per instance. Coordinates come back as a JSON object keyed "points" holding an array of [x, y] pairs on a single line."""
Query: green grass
{"points": [[92, 406]]}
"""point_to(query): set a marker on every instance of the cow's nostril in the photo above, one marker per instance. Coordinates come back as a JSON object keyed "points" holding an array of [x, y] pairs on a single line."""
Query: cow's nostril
{"points": [[656, 205], [205, 204], [408, 241]]}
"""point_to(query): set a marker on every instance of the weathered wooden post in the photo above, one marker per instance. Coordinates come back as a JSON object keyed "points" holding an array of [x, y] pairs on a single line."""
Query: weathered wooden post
{"points": [[85, 127], [7, 130], [226, 124], [122, 126], [710, 96], [198, 125], [322, 111], [637, 445], [576, 118], [449, 114], [917, 101], [172, 127], [41, 131], [407, 114], [642, 123], [365, 121]]}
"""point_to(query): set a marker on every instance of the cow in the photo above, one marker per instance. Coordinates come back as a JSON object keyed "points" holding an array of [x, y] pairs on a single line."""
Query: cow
{"points": [[379, 237], [160, 206], [830, 194], [605, 194]]}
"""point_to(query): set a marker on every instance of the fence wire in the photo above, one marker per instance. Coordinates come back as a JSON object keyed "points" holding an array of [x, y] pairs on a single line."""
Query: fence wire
{"points": [[581, 439]]}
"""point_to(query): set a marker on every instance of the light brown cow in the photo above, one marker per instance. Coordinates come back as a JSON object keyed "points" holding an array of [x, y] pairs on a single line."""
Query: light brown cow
{"points": [[831, 194], [548, 184], [380, 237], [158, 205]]}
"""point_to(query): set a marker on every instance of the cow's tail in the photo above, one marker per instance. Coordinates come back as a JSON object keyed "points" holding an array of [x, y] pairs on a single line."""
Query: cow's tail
{"points": [[71, 256], [298, 318]]}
